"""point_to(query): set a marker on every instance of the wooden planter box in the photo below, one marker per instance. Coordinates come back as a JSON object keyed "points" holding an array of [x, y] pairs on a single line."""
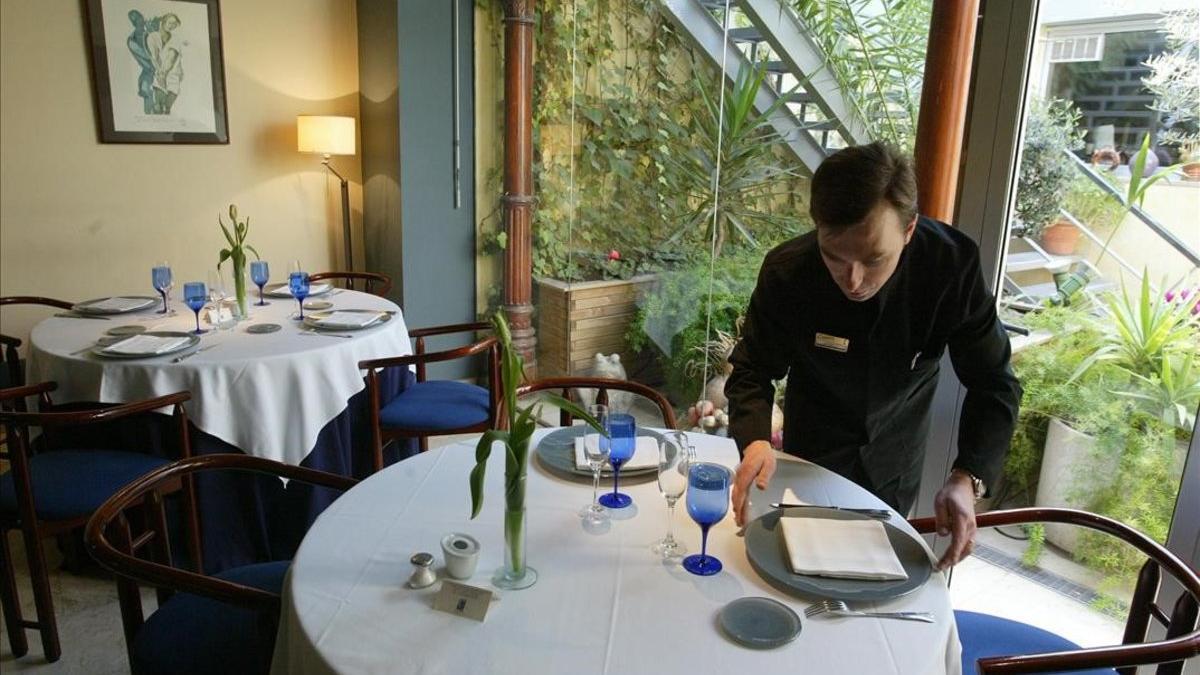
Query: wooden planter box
{"points": [[577, 320]]}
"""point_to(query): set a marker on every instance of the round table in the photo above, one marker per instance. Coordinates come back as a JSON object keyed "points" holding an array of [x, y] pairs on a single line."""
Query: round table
{"points": [[602, 603], [267, 394]]}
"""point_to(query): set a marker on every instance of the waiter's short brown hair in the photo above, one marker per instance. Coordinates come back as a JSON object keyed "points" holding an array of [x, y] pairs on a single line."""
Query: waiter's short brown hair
{"points": [[849, 183]]}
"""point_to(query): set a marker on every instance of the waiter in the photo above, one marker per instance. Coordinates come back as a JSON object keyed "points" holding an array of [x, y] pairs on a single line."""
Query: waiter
{"points": [[857, 314]]}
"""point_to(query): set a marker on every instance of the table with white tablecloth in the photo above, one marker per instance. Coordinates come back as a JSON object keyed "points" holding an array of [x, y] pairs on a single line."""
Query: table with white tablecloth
{"points": [[291, 395], [603, 603]]}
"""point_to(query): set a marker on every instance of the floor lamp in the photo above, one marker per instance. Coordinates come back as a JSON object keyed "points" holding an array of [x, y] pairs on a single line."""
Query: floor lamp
{"points": [[328, 135]]}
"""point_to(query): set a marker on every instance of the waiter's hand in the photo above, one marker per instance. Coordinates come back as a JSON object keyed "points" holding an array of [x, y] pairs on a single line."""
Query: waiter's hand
{"points": [[954, 514], [758, 465]]}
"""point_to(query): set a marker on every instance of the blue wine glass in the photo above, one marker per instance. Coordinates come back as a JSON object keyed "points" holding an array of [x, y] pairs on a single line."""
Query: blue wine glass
{"points": [[160, 276], [623, 430], [298, 284], [260, 274], [195, 294], [707, 504]]}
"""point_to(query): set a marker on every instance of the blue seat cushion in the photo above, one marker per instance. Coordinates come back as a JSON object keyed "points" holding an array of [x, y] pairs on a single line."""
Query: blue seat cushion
{"points": [[986, 635], [73, 483], [195, 634], [436, 404]]}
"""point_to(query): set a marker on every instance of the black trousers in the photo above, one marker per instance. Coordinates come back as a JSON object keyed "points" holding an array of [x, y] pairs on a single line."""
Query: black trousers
{"points": [[892, 473]]}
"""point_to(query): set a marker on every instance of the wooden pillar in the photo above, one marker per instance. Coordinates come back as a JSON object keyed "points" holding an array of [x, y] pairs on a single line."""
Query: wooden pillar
{"points": [[943, 115], [518, 176]]}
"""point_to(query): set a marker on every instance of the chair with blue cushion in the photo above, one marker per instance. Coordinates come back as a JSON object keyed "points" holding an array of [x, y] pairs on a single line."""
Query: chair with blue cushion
{"points": [[433, 407], [53, 488], [224, 623], [993, 644]]}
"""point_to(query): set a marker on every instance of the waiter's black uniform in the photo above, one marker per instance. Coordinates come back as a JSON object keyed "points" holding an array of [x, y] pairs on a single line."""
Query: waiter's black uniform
{"points": [[861, 375]]}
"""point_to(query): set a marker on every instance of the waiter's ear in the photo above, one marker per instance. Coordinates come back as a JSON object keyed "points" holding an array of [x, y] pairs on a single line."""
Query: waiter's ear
{"points": [[909, 229]]}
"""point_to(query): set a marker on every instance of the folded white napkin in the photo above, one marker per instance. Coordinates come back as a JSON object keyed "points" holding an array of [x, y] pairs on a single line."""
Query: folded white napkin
{"points": [[285, 291], [146, 344], [350, 319], [645, 454], [844, 549], [117, 304]]}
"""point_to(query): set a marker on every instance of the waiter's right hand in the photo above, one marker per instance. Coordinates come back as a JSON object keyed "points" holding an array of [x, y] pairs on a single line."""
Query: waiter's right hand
{"points": [[757, 466]]}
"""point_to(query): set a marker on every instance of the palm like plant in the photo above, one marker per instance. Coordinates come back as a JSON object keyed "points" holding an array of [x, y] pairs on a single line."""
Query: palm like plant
{"points": [[732, 196]]}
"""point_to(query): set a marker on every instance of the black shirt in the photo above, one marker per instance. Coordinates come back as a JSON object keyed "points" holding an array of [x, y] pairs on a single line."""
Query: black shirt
{"points": [[861, 375]]}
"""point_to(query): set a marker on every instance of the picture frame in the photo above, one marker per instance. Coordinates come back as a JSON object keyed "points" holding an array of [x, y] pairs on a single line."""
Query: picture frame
{"points": [[158, 67]]}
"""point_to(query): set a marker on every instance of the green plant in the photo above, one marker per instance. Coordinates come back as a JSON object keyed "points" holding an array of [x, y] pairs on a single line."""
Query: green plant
{"points": [[1172, 80], [519, 425], [1036, 544], [236, 253], [1138, 335], [730, 197], [875, 51], [1172, 393], [1091, 205], [1046, 170]]}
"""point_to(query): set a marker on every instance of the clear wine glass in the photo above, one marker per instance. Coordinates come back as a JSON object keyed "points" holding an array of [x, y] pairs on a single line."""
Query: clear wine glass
{"points": [[672, 482], [707, 504], [596, 450], [196, 296], [260, 274], [163, 280], [622, 431], [298, 284], [216, 297]]}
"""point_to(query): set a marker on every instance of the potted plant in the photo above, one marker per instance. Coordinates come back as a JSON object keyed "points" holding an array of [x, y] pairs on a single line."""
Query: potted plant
{"points": [[236, 253], [516, 434], [1172, 80], [1046, 172]]}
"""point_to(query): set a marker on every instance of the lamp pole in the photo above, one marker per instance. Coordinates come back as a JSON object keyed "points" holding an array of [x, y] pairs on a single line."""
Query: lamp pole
{"points": [[348, 243]]}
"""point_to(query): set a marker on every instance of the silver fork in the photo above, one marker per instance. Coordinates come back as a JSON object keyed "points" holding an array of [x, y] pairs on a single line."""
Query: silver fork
{"points": [[317, 333], [189, 355], [839, 608]]}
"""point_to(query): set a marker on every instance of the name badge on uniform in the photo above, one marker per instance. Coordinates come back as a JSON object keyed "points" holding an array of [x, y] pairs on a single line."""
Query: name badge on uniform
{"points": [[834, 343]]}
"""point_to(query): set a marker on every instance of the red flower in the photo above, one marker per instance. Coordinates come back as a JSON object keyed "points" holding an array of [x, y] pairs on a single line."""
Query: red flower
{"points": [[614, 254]]}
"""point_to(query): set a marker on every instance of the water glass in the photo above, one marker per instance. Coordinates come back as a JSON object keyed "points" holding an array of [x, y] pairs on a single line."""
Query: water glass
{"points": [[622, 440], [596, 451], [196, 296], [217, 293], [672, 482], [260, 274], [707, 504], [298, 284], [160, 276]]}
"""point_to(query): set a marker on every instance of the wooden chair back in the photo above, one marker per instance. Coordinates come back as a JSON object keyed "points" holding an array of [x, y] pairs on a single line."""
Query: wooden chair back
{"points": [[368, 282], [603, 386], [9, 357]]}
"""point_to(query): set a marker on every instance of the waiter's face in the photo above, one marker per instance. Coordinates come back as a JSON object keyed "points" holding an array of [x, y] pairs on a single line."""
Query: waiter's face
{"points": [[861, 258]]}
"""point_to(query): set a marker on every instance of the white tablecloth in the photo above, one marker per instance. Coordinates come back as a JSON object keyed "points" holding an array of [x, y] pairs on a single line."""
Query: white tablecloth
{"points": [[602, 603], [267, 394]]}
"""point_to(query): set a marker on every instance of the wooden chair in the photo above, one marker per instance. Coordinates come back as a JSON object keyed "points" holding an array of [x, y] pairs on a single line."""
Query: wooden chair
{"points": [[13, 372], [603, 385], [995, 645], [223, 623], [434, 407], [372, 282], [56, 490]]}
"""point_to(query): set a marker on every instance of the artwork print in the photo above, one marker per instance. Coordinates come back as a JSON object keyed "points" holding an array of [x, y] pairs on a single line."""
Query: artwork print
{"points": [[159, 70]]}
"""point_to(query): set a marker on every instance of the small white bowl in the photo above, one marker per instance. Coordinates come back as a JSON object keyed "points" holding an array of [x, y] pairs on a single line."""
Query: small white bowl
{"points": [[461, 552]]}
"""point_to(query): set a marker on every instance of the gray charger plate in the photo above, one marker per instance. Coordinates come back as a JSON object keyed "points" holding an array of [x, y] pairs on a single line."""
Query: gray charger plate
{"points": [[768, 556], [193, 340], [556, 451]]}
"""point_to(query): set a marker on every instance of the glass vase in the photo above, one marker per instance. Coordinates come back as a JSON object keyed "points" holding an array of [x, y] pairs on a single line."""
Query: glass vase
{"points": [[515, 574], [239, 286]]}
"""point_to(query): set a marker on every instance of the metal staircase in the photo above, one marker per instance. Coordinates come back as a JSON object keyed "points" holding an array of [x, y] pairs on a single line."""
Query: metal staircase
{"points": [[816, 118]]}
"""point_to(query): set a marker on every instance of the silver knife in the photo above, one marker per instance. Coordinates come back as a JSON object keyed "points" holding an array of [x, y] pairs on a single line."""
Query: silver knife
{"points": [[879, 514], [70, 315]]}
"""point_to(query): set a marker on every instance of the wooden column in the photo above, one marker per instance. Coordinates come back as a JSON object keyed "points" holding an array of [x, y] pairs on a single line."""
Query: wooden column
{"points": [[942, 122], [518, 176]]}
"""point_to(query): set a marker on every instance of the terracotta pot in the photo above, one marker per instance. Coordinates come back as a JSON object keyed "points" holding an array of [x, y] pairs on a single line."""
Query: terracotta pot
{"points": [[1060, 238], [1191, 171]]}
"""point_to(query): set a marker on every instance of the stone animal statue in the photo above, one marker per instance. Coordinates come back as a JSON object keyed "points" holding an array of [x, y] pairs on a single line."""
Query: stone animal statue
{"points": [[607, 367]]}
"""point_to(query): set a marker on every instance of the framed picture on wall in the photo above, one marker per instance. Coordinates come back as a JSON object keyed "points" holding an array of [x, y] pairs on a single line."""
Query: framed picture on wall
{"points": [[159, 70]]}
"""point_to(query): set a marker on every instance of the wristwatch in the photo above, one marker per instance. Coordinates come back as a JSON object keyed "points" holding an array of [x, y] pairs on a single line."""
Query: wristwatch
{"points": [[976, 483]]}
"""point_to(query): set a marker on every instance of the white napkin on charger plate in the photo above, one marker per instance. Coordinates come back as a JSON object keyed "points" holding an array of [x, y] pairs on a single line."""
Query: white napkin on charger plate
{"points": [[645, 454], [115, 305], [350, 319], [842, 549], [285, 291], [146, 344]]}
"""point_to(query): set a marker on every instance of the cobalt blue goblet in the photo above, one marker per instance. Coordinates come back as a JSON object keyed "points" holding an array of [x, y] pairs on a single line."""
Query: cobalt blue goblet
{"points": [[160, 276], [623, 432], [298, 285], [195, 294], [707, 504], [260, 274]]}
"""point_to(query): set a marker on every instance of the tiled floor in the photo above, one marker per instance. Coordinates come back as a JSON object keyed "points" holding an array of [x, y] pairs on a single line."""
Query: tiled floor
{"points": [[93, 643]]}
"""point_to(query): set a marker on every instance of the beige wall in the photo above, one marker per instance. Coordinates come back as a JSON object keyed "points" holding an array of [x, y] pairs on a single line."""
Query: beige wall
{"points": [[80, 219]]}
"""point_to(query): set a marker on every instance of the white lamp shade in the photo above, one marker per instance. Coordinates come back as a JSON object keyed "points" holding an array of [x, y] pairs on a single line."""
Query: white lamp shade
{"points": [[325, 134]]}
